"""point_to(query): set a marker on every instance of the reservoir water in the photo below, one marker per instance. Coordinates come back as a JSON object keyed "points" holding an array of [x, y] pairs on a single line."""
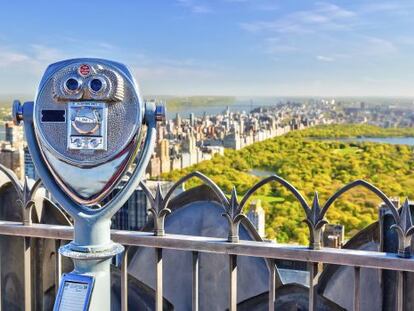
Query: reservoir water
{"points": [[383, 140]]}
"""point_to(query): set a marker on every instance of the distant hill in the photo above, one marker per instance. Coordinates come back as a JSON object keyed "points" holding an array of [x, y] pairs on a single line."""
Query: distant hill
{"points": [[7, 100], [174, 103], [5, 103]]}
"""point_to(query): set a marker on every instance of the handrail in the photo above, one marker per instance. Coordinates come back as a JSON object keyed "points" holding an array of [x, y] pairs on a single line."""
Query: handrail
{"points": [[357, 258]]}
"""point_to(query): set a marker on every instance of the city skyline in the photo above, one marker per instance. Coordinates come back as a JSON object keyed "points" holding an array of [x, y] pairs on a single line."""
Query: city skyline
{"points": [[221, 47]]}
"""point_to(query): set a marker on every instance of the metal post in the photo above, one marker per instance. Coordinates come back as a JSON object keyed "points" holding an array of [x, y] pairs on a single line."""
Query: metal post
{"points": [[233, 282], [272, 285], [312, 302], [27, 274], [400, 291], [196, 265], [158, 281], [357, 288], [1, 283], [58, 265], [124, 281]]}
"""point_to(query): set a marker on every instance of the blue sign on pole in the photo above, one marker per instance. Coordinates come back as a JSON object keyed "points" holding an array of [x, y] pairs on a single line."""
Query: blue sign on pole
{"points": [[74, 293]]}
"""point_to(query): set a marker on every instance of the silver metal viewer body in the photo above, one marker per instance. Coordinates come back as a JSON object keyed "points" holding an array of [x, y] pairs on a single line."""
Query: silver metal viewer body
{"points": [[84, 131]]}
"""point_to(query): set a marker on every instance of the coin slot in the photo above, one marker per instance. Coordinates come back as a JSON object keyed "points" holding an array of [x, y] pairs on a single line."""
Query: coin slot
{"points": [[53, 115]]}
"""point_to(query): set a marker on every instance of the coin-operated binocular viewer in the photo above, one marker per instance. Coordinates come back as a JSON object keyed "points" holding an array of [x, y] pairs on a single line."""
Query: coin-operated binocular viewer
{"points": [[86, 128]]}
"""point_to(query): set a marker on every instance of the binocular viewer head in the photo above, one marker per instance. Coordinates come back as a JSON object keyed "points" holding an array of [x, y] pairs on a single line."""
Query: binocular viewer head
{"points": [[88, 117]]}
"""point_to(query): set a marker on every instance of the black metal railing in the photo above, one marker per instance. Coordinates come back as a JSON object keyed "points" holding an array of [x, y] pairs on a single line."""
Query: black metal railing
{"points": [[233, 247]]}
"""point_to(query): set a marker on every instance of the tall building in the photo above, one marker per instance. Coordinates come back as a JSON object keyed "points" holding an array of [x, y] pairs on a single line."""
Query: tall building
{"points": [[154, 166], [189, 146], [13, 134], [29, 168], [333, 235], [164, 155], [192, 119], [12, 158], [227, 111], [256, 215], [232, 140], [9, 129], [178, 120], [133, 215], [163, 149]]}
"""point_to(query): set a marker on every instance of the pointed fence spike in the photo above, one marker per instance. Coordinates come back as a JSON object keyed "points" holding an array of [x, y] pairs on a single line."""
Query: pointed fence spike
{"points": [[234, 204], [159, 212], [234, 195], [233, 216], [404, 227], [315, 223], [159, 190], [405, 217], [159, 198], [26, 190], [316, 209]]}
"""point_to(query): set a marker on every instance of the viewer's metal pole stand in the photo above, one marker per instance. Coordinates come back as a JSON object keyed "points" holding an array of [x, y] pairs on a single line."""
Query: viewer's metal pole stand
{"points": [[91, 252]]}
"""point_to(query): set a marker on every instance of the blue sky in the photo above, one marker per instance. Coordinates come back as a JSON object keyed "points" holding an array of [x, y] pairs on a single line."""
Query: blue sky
{"points": [[219, 47]]}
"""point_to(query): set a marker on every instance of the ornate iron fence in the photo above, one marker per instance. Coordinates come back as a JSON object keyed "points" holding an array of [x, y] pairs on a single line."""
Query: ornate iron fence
{"points": [[315, 253]]}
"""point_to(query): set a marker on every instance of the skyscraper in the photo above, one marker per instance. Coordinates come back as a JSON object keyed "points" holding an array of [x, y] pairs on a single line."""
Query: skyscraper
{"points": [[9, 133], [134, 213], [192, 119], [29, 168], [256, 215], [13, 134], [178, 120]]}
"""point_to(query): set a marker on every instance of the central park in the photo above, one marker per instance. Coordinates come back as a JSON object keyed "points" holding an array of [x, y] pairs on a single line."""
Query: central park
{"points": [[321, 159]]}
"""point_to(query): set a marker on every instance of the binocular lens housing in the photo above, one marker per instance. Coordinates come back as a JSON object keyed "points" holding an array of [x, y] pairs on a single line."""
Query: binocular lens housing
{"points": [[72, 85], [96, 85]]}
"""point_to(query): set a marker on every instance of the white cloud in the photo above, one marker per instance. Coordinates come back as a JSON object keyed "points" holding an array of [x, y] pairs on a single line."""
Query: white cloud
{"points": [[201, 9], [325, 58], [324, 16], [33, 60], [20, 72], [195, 6], [44, 53], [264, 5], [164, 72], [275, 45], [395, 7], [378, 46], [10, 58]]}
